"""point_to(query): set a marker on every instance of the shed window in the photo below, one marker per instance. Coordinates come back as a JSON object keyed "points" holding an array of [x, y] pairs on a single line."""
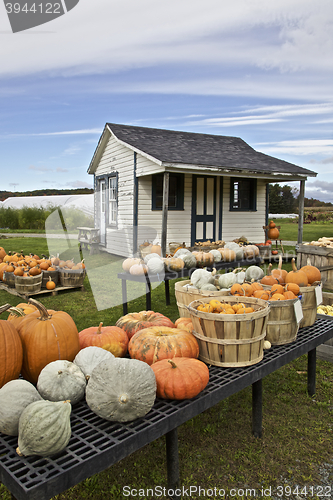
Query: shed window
{"points": [[176, 192], [243, 194], [113, 200]]}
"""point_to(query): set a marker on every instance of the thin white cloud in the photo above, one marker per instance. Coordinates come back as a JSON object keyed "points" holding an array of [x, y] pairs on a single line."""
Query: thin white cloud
{"points": [[299, 147], [39, 169]]}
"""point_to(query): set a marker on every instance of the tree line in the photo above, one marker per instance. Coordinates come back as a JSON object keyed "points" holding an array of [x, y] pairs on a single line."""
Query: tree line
{"points": [[44, 192], [285, 200]]}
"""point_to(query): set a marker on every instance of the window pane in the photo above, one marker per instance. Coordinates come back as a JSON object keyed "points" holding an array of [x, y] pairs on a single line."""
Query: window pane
{"points": [[112, 200]]}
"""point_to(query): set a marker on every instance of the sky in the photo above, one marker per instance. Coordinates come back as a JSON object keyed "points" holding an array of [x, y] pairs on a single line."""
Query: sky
{"points": [[254, 69]]}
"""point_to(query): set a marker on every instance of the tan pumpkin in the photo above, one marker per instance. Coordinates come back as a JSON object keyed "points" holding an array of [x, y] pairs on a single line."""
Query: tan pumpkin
{"points": [[128, 263], [174, 263], [138, 269], [227, 254], [204, 258]]}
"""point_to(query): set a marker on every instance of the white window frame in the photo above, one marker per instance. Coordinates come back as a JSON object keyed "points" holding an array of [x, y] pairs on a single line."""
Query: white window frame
{"points": [[113, 200]]}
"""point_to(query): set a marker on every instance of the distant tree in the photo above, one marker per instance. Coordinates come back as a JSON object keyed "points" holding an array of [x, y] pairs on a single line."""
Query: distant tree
{"points": [[282, 199]]}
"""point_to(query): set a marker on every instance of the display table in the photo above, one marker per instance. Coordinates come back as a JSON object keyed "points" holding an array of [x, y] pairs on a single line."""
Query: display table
{"points": [[171, 275], [89, 236], [96, 444]]}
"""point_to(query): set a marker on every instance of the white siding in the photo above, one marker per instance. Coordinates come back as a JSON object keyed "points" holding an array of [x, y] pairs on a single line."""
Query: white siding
{"points": [[118, 158], [248, 224], [179, 221]]}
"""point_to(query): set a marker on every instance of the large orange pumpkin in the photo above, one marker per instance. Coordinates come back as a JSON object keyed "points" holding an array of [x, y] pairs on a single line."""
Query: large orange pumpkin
{"points": [[133, 322], [295, 276], [110, 338], [46, 336], [312, 272], [11, 352], [180, 378], [162, 342]]}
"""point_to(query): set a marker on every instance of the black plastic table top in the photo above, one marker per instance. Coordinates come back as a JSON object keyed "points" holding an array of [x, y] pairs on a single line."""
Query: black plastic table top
{"points": [[96, 444]]}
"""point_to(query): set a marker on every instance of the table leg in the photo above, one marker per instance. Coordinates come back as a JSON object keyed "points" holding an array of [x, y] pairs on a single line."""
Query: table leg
{"points": [[257, 408], [124, 296], [167, 292], [171, 438], [312, 372], [148, 294]]}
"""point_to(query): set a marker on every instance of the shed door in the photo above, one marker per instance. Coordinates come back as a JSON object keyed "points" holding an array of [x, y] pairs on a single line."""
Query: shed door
{"points": [[101, 209], [203, 208]]}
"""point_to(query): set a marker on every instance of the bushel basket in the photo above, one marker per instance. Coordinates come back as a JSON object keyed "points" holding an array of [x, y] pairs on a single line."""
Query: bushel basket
{"points": [[185, 294], [71, 277], [231, 340], [28, 284]]}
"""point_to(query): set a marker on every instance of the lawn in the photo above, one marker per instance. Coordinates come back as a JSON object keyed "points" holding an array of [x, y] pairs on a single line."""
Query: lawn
{"points": [[216, 448]]}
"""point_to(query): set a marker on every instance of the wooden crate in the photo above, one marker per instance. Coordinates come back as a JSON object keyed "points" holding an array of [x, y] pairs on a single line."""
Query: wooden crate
{"points": [[325, 351], [320, 257]]}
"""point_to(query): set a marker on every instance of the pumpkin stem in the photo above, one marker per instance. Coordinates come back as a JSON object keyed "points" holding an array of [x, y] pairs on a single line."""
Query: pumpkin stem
{"points": [[44, 315], [172, 363], [99, 329], [293, 265], [17, 311], [4, 308], [123, 398]]}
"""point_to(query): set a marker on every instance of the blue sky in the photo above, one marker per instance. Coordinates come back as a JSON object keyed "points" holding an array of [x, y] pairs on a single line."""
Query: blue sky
{"points": [[259, 70]]}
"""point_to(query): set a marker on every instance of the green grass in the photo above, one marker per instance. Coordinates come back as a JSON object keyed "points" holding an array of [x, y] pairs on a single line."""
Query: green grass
{"points": [[311, 232], [216, 448]]}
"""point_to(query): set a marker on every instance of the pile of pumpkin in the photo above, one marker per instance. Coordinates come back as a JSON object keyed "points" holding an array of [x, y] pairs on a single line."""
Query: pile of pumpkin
{"points": [[217, 307], [153, 263], [60, 370], [33, 265]]}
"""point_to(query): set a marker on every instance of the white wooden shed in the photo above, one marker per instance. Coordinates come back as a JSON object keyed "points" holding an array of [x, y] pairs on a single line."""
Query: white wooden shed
{"points": [[172, 186]]}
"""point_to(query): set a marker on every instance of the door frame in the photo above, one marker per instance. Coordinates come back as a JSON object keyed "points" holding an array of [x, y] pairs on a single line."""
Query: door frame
{"points": [[202, 218], [101, 217]]}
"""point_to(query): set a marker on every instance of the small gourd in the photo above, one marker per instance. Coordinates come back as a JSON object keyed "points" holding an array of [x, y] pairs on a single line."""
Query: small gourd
{"points": [[89, 357], [50, 284], [44, 428], [14, 397], [121, 389], [61, 380]]}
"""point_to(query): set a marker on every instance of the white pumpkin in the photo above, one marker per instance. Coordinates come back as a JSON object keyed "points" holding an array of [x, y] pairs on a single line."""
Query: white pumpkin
{"points": [[182, 251], [240, 277], [155, 266], [89, 357], [217, 255], [44, 428], [151, 256], [210, 287], [226, 280], [254, 273], [15, 396], [201, 277], [61, 380], [121, 390], [189, 260]]}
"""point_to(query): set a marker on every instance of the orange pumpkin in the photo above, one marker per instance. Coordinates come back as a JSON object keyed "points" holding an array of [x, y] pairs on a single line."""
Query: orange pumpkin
{"points": [[11, 352], [288, 294], [50, 284], [269, 279], [279, 273], [273, 233], [162, 342], [110, 338], [133, 322], [295, 276], [292, 287], [180, 378], [237, 289], [312, 273], [184, 324], [277, 296], [276, 288], [46, 336]]}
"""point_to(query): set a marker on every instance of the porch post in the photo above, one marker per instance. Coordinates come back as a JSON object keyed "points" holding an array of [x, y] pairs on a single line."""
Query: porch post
{"points": [[165, 212], [135, 208], [301, 212]]}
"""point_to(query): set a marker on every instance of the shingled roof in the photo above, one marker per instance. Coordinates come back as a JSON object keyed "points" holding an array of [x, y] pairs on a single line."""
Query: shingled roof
{"points": [[206, 150]]}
